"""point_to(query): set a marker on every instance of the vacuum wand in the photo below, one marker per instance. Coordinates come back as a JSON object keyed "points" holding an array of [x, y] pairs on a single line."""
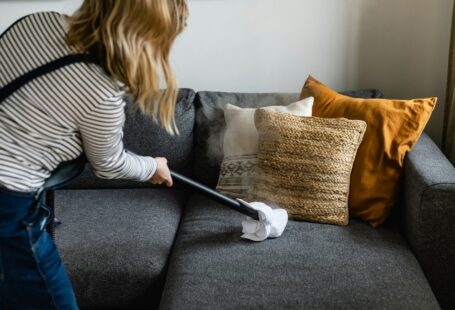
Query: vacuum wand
{"points": [[207, 191]]}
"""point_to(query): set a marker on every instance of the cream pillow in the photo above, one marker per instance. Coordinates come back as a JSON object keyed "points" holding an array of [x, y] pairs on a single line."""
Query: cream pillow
{"points": [[240, 145]]}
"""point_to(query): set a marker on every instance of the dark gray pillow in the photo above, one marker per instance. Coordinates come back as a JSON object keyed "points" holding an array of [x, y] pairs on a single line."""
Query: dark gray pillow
{"points": [[144, 137], [210, 125]]}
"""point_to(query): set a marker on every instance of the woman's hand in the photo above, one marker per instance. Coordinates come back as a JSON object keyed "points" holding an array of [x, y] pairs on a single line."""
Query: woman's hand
{"points": [[162, 174]]}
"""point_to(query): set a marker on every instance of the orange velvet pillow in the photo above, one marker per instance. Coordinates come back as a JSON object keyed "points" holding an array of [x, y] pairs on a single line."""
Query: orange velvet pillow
{"points": [[393, 127]]}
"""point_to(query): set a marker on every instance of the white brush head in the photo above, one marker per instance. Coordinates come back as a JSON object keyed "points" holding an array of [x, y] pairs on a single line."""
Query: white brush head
{"points": [[271, 224]]}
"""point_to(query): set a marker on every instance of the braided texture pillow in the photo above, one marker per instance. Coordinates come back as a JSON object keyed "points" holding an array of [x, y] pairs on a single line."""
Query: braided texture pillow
{"points": [[304, 164]]}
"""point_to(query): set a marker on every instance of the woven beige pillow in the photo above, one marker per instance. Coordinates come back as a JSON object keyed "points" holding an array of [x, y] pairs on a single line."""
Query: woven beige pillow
{"points": [[304, 164]]}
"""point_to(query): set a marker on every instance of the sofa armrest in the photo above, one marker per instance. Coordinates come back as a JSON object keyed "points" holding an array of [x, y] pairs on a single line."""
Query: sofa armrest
{"points": [[429, 216]]}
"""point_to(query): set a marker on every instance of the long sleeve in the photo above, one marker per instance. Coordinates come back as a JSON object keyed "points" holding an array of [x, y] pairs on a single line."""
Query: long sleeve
{"points": [[102, 137]]}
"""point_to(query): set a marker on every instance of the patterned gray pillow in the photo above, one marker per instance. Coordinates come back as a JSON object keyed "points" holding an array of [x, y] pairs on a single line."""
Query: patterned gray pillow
{"points": [[236, 173]]}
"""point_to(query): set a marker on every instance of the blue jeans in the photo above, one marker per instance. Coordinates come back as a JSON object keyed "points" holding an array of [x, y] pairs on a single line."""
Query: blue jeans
{"points": [[32, 275]]}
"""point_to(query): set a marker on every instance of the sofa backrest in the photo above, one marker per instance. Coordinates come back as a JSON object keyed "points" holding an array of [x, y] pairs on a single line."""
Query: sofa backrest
{"points": [[198, 150], [144, 137], [210, 125]]}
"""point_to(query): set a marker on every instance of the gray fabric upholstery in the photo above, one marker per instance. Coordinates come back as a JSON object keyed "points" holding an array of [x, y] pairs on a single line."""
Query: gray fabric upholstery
{"points": [[429, 216], [363, 93], [311, 266], [115, 243], [210, 124], [144, 137]]}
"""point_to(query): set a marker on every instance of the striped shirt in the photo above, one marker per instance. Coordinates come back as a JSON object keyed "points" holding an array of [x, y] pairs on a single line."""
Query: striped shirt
{"points": [[57, 116]]}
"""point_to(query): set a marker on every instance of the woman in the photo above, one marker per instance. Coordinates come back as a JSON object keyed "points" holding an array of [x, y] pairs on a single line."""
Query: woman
{"points": [[73, 109]]}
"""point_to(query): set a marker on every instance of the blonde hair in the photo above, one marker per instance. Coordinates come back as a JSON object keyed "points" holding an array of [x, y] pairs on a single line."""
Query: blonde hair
{"points": [[133, 39]]}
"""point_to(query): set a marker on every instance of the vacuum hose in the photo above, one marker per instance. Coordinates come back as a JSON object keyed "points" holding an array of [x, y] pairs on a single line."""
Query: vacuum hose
{"points": [[235, 204]]}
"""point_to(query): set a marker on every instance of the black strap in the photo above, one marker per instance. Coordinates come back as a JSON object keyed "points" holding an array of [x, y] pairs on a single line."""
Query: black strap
{"points": [[14, 85]]}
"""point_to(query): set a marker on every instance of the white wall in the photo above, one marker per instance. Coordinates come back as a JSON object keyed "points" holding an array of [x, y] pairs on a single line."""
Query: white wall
{"points": [[398, 46]]}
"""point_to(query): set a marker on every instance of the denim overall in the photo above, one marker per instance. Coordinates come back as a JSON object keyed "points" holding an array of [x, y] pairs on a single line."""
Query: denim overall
{"points": [[32, 275]]}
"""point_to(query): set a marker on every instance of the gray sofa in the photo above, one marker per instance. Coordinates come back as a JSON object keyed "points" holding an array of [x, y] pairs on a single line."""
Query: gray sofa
{"points": [[134, 245]]}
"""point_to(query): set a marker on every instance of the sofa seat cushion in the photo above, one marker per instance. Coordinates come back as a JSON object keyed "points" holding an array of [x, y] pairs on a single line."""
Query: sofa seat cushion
{"points": [[115, 243], [311, 266]]}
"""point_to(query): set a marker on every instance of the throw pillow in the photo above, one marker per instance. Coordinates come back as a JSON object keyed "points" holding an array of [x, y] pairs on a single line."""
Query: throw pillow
{"points": [[304, 164], [241, 144], [394, 127]]}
